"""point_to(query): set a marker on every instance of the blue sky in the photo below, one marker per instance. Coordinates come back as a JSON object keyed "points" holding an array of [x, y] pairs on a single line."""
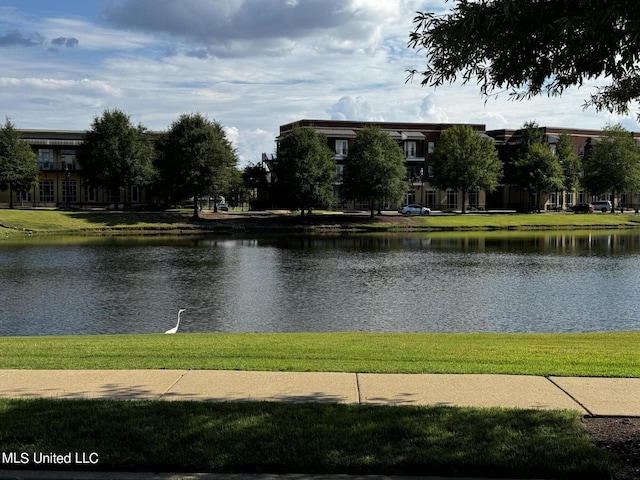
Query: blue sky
{"points": [[252, 65]]}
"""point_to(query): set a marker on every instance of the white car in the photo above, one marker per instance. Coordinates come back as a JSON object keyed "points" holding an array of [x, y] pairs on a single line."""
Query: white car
{"points": [[414, 209], [601, 206]]}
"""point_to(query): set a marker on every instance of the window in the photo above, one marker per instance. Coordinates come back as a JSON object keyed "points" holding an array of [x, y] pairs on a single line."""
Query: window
{"points": [[581, 197], [111, 198], [23, 197], [91, 194], [45, 158], [581, 151], [553, 148], [410, 197], [134, 194], [414, 174], [452, 199], [339, 173], [342, 147], [430, 198], [474, 198], [46, 190], [68, 158], [431, 147], [410, 149], [430, 171], [624, 199], [69, 191], [569, 198]]}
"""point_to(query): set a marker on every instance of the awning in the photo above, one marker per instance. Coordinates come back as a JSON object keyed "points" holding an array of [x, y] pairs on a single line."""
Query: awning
{"points": [[393, 134], [336, 132], [413, 136], [53, 142]]}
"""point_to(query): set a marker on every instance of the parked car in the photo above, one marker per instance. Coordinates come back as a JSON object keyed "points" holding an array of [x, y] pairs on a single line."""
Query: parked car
{"points": [[223, 207], [602, 206], [414, 209], [582, 208]]}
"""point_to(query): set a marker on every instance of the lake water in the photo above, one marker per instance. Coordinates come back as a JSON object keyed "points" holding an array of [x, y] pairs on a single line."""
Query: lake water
{"points": [[541, 282]]}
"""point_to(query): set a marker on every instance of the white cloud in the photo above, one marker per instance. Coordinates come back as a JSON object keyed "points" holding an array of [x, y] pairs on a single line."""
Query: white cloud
{"points": [[354, 108], [72, 86], [431, 111]]}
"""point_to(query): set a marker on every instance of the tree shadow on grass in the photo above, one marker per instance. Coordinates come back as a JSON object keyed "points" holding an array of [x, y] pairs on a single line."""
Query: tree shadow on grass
{"points": [[272, 437], [232, 222]]}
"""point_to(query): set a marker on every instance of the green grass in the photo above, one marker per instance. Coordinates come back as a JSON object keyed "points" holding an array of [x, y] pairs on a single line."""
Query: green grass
{"points": [[589, 354], [54, 221], [305, 438], [46, 222], [531, 221]]}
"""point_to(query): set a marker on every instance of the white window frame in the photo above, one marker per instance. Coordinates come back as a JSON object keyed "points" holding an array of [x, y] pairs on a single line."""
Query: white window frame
{"points": [[46, 191], [410, 149], [342, 147], [45, 158]]}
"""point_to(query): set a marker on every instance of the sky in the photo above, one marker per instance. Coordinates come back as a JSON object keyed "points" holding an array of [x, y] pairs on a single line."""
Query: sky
{"points": [[251, 65]]}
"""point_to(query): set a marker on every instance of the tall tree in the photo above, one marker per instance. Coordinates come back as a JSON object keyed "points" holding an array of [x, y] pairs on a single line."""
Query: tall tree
{"points": [[570, 162], [254, 179], [540, 171], [374, 168], [18, 162], [465, 161], [532, 48], [195, 157], [304, 170], [613, 163], [115, 154]]}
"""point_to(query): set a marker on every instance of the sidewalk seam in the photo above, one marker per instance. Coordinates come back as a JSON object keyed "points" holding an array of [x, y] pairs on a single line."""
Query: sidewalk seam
{"points": [[182, 375], [566, 392], [358, 396]]}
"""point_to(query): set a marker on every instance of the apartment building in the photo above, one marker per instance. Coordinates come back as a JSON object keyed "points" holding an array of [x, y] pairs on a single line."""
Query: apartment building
{"points": [[60, 182], [418, 141]]}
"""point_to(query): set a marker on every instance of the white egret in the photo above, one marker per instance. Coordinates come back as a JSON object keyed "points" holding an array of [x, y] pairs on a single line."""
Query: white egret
{"points": [[175, 329]]}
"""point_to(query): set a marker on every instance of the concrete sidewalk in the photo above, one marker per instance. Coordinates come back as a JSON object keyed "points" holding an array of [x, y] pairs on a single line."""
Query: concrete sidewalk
{"points": [[589, 396]]}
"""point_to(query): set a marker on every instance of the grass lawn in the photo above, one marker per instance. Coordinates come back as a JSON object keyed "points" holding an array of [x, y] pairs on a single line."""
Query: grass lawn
{"points": [[589, 354], [43, 222], [304, 438], [317, 438]]}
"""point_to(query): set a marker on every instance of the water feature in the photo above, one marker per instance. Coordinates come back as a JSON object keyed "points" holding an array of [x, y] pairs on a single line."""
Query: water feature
{"points": [[506, 282]]}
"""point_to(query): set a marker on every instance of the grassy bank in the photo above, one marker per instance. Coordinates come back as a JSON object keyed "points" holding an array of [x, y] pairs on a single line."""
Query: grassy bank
{"points": [[47, 222], [304, 438], [589, 354]]}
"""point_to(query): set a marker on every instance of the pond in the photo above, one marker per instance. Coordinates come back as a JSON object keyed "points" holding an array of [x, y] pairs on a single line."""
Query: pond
{"points": [[507, 282]]}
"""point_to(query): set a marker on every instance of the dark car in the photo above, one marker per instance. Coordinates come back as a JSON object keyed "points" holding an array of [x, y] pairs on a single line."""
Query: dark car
{"points": [[582, 208]]}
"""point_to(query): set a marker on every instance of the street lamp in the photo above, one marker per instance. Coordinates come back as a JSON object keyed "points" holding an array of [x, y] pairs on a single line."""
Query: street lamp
{"points": [[68, 187]]}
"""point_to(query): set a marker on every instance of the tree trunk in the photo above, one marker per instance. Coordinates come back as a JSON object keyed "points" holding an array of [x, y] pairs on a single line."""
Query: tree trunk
{"points": [[196, 214], [464, 196], [117, 198], [10, 196], [613, 200]]}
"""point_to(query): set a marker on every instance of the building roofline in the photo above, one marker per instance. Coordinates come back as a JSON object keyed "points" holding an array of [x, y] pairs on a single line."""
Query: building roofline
{"points": [[355, 124]]}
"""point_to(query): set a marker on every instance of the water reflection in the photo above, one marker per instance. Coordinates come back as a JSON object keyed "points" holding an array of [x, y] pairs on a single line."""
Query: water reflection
{"points": [[507, 282]]}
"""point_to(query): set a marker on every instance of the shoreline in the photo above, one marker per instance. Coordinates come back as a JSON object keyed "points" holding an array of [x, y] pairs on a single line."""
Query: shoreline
{"points": [[87, 223]]}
